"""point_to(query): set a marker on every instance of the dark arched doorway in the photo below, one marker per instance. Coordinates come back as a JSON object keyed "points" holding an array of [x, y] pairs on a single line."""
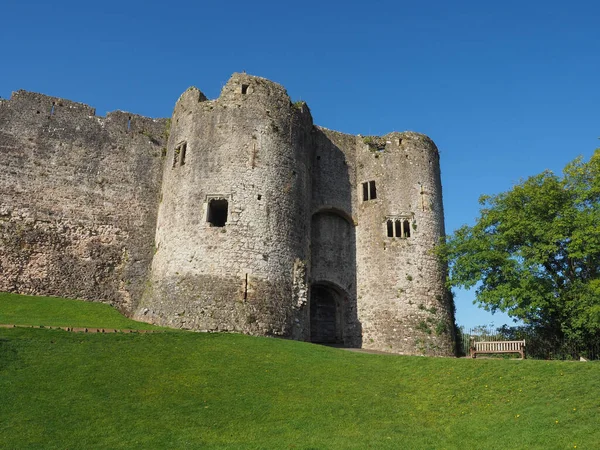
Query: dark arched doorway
{"points": [[325, 316]]}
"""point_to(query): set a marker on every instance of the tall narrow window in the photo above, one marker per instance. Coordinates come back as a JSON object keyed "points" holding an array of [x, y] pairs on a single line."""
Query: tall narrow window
{"points": [[369, 191], [406, 229], [176, 156], [398, 227], [183, 150], [390, 228], [244, 89], [179, 154], [217, 212], [372, 190]]}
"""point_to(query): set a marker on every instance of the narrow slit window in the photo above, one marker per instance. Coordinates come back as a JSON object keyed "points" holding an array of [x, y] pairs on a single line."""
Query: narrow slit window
{"points": [[183, 150], [398, 227], [176, 156], [406, 229], [373, 191], [244, 89], [390, 228], [217, 212], [365, 191], [179, 154]]}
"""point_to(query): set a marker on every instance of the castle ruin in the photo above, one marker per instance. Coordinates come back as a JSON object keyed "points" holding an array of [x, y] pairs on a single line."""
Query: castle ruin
{"points": [[237, 214]]}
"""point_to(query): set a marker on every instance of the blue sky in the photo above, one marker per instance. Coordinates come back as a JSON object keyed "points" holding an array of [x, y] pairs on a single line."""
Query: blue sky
{"points": [[506, 89]]}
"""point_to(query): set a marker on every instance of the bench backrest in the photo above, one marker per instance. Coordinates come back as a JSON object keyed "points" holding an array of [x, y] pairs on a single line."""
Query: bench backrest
{"points": [[499, 346]]}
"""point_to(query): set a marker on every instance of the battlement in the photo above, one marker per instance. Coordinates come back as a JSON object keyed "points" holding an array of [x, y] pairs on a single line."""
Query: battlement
{"points": [[44, 104], [44, 110]]}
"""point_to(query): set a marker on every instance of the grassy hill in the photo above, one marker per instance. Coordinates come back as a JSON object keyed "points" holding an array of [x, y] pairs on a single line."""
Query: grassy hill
{"points": [[196, 390], [54, 311]]}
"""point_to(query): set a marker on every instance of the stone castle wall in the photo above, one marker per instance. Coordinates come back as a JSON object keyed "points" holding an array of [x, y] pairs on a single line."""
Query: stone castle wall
{"points": [[237, 214], [78, 199]]}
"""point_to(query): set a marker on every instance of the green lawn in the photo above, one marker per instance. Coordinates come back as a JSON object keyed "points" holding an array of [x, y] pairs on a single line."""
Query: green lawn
{"points": [[194, 390], [54, 311]]}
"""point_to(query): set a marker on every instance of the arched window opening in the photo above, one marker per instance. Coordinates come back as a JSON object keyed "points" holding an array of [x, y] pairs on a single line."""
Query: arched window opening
{"points": [[398, 226]]}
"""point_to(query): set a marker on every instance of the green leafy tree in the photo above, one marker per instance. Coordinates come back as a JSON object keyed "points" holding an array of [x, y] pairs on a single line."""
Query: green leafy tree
{"points": [[534, 252]]}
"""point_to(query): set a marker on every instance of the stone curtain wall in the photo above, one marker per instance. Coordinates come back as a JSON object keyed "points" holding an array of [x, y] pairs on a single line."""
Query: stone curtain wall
{"points": [[78, 199]]}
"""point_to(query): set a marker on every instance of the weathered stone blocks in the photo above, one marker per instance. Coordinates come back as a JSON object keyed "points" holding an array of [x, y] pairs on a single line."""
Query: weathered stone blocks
{"points": [[237, 214]]}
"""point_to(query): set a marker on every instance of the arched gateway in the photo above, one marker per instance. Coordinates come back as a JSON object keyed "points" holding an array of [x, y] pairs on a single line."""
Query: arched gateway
{"points": [[326, 315]]}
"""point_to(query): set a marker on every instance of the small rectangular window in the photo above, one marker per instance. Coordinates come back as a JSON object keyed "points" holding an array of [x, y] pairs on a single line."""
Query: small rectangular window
{"points": [[369, 191], [390, 228], [398, 226], [217, 212], [244, 89]]}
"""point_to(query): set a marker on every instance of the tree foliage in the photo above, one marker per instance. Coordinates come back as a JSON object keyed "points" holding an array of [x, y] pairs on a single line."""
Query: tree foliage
{"points": [[534, 252]]}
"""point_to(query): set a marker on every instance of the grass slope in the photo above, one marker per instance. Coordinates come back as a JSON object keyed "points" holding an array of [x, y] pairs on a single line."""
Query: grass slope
{"points": [[192, 390], [55, 311]]}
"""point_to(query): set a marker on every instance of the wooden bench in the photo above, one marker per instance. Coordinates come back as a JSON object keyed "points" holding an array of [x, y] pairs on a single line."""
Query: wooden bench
{"points": [[498, 347]]}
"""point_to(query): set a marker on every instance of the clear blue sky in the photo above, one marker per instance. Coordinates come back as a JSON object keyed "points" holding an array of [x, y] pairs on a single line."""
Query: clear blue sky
{"points": [[506, 89]]}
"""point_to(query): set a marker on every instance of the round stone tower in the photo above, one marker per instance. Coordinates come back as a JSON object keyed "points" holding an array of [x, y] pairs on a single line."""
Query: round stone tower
{"points": [[231, 252], [402, 301]]}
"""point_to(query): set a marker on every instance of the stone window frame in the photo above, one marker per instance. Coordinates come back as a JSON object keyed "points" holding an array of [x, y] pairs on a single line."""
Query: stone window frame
{"points": [[399, 226], [369, 190], [209, 198], [179, 153]]}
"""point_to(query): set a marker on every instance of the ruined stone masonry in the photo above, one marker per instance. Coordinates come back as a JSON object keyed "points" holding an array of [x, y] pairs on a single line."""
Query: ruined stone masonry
{"points": [[237, 214]]}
